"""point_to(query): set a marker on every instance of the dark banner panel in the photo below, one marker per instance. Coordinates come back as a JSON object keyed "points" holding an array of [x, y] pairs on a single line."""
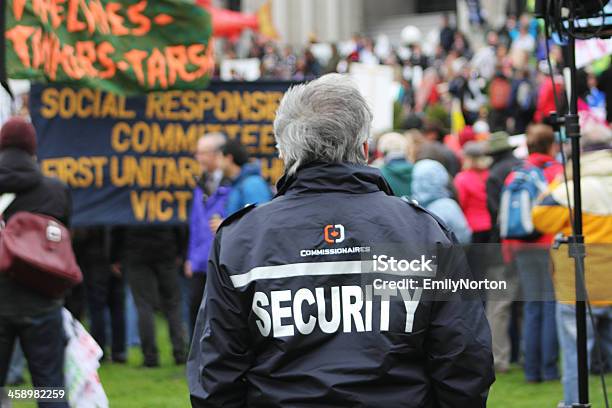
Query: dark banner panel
{"points": [[129, 160]]}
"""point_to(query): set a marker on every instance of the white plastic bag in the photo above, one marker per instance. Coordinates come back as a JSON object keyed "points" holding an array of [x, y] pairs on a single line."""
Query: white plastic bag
{"points": [[81, 363]]}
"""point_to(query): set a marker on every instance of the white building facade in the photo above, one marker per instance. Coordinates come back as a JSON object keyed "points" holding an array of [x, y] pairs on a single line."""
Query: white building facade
{"points": [[328, 20], [337, 20]]}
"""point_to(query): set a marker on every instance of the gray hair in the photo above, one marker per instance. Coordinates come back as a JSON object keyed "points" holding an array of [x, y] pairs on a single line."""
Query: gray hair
{"points": [[393, 144], [327, 120], [217, 139]]}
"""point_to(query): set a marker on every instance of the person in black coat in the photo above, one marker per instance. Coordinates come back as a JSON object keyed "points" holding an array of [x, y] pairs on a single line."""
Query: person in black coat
{"points": [[292, 317], [104, 288], [499, 312], [504, 161], [33, 319], [447, 34], [604, 83], [149, 256]]}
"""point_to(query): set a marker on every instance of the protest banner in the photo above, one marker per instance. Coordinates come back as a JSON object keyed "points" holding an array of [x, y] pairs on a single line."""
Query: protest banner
{"points": [[129, 160], [122, 46]]}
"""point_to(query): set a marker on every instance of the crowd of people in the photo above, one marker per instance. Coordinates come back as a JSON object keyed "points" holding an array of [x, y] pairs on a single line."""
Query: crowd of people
{"points": [[129, 272], [456, 109], [501, 85], [471, 203], [452, 153], [461, 173], [151, 258]]}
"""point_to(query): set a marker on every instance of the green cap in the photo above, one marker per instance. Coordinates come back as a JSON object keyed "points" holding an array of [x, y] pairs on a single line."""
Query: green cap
{"points": [[498, 143]]}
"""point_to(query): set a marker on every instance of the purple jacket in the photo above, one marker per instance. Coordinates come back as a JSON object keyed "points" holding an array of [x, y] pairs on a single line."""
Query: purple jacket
{"points": [[200, 236]]}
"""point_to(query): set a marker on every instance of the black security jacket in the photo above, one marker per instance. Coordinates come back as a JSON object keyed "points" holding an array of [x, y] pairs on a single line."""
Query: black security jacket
{"points": [[287, 321]]}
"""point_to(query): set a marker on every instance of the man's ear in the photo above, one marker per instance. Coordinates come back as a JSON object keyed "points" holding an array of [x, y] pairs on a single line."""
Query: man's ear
{"points": [[366, 150]]}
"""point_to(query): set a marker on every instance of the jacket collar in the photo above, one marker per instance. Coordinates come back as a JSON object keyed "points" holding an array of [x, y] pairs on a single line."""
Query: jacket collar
{"points": [[318, 177], [540, 159]]}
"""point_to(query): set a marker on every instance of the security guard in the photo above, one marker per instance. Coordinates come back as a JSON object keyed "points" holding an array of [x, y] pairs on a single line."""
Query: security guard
{"points": [[301, 309]]}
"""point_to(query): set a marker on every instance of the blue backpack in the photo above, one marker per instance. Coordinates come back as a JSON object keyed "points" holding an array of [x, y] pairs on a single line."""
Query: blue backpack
{"points": [[521, 189]]}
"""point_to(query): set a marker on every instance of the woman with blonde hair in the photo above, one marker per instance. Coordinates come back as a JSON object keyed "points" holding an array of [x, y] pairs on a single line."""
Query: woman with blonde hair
{"points": [[396, 168], [470, 184]]}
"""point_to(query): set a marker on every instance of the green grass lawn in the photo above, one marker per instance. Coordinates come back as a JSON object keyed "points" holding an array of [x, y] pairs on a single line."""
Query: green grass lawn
{"points": [[130, 386], [165, 387], [511, 391]]}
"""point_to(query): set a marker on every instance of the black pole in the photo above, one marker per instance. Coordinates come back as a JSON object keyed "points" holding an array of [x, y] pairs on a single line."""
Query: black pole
{"points": [[576, 247]]}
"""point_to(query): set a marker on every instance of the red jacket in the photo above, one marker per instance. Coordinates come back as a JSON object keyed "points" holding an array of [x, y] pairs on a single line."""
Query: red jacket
{"points": [[546, 98], [472, 194]]}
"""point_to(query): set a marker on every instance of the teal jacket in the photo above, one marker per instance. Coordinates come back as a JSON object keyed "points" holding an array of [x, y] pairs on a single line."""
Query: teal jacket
{"points": [[398, 173]]}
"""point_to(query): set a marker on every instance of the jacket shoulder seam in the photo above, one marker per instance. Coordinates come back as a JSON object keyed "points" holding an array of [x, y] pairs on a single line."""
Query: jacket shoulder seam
{"points": [[415, 204], [237, 215]]}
